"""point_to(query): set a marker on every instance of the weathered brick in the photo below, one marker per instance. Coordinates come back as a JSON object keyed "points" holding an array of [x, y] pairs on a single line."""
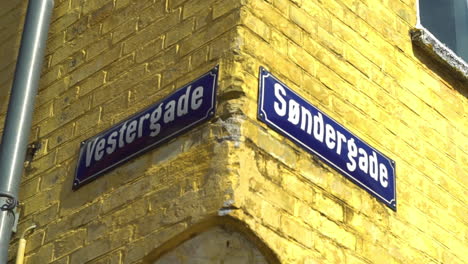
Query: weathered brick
{"points": [[44, 254], [216, 29], [29, 188], [101, 13], [77, 28], [179, 32], [93, 66], [152, 13], [190, 8], [69, 243], [107, 60], [151, 32], [149, 50]]}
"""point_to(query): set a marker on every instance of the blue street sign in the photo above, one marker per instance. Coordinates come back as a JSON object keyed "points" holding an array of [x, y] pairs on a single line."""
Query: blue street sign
{"points": [[292, 116], [180, 111]]}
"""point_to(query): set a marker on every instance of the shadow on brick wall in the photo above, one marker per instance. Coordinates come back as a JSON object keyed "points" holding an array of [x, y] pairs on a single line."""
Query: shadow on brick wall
{"points": [[12, 15]]}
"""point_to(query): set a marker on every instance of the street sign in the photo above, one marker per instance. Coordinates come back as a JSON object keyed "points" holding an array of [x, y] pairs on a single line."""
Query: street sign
{"points": [[288, 113], [185, 108]]}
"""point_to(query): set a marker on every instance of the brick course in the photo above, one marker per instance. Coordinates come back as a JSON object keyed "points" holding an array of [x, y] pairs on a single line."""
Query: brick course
{"points": [[354, 60]]}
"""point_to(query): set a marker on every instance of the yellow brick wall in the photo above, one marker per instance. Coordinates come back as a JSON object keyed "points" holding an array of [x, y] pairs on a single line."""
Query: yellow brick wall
{"points": [[217, 245], [355, 61], [107, 59]]}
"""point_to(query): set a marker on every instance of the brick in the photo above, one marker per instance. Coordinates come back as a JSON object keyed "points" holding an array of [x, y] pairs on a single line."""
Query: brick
{"points": [[118, 199], [122, 15], [42, 164], [29, 188], [88, 121], [69, 243], [291, 30], [111, 258], [89, 84], [63, 22], [61, 9], [101, 13], [297, 231], [39, 201], [107, 60], [190, 8], [142, 247], [226, 40], [174, 71], [124, 30], [175, 3], [151, 32], [152, 13], [77, 28], [198, 57], [64, 260], [303, 19], [34, 241], [114, 240], [118, 67], [46, 216], [218, 27], [93, 66], [221, 9], [270, 215], [72, 220], [149, 50], [93, 6], [256, 25], [302, 58], [43, 254], [180, 32], [91, 251]]}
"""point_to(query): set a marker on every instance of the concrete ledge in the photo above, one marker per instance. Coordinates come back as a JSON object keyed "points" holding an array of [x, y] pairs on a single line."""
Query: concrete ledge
{"points": [[424, 39]]}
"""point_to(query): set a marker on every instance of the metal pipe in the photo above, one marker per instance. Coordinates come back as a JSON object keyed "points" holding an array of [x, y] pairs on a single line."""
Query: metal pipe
{"points": [[19, 116], [22, 245]]}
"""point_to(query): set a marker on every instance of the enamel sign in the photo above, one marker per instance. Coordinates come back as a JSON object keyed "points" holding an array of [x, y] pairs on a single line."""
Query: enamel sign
{"points": [[285, 111], [177, 113]]}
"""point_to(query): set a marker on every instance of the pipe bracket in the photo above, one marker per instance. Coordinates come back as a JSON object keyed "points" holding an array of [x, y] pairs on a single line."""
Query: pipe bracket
{"points": [[11, 206], [10, 202]]}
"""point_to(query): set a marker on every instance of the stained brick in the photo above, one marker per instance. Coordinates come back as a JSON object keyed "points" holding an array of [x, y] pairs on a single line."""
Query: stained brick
{"points": [[107, 60]]}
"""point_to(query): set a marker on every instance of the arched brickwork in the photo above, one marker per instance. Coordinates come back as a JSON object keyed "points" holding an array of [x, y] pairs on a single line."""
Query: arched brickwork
{"points": [[216, 245], [215, 240]]}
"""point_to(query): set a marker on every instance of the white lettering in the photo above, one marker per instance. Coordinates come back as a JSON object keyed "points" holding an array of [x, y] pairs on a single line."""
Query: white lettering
{"points": [[113, 142], [373, 166], [383, 175], [182, 103], [318, 127], [197, 99], [352, 153], [131, 132], [281, 111], [330, 136], [363, 160], [294, 114], [155, 116], [89, 151], [121, 135], [169, 113], [306, 119], [341, 139], [100, 149]]}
